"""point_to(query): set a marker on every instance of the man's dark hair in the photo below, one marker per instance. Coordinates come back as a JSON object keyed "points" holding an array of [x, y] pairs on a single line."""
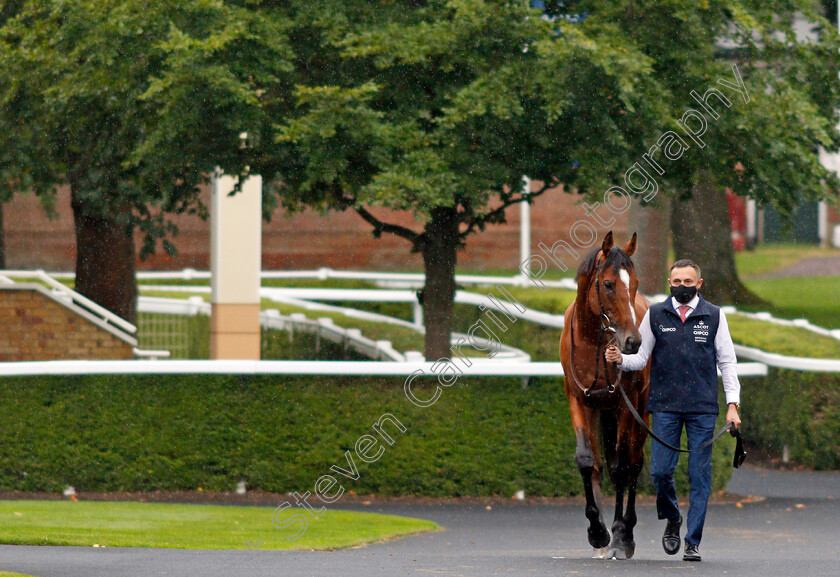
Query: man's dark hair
{"points": [[684, 263]]}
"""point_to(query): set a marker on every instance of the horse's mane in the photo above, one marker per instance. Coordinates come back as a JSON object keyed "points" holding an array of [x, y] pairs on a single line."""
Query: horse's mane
{"points": [[616, 258]]}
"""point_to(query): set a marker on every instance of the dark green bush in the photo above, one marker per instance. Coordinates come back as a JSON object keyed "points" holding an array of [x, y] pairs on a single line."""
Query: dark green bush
{"points": [[800, 410], [131, 433]]}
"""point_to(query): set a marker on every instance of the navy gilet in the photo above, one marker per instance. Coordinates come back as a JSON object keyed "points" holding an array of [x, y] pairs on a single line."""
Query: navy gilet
{"points": [[683, 371]]}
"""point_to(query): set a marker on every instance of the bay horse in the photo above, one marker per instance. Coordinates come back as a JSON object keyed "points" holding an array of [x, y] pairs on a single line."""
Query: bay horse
{"points": [[602, 312]]}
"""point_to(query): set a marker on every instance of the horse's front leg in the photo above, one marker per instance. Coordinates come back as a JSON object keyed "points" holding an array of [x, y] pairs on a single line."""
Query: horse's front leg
{"points": [[619, 477], [586, 456], [635, 436]]}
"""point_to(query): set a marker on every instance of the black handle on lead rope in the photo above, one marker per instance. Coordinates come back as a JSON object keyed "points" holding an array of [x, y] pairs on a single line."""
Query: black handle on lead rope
{"points": [[740, 454]]}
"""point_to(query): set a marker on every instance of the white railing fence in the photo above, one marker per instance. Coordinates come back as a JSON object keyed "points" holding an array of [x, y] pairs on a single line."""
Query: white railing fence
{"points": [[352, 338]]}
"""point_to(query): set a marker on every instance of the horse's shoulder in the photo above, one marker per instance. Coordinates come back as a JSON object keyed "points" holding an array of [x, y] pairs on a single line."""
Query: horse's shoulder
{"points": [[570, 310]]}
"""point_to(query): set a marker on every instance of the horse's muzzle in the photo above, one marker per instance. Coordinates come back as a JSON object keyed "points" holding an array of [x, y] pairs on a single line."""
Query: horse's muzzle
{"points": [[631, 344]]}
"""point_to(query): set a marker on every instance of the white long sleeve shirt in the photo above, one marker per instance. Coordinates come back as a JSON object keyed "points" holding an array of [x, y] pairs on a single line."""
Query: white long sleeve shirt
{"points": [[724, 351]]}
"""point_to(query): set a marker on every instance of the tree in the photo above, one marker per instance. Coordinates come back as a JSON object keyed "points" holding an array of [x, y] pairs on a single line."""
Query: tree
{"points": [[767, 148], [132, 104], [7, 10], [440, 108]]}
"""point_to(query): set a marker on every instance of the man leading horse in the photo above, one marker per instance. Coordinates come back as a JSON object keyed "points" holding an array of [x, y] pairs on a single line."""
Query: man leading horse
{"points": [[685, 337]]}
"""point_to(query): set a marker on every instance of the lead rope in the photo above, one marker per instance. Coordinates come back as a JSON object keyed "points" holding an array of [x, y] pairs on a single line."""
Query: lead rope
{"points": [[639, 420], [611, 387]]}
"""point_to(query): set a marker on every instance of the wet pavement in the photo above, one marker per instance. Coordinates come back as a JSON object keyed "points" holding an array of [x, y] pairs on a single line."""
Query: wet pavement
{"points": [[779, 529]]}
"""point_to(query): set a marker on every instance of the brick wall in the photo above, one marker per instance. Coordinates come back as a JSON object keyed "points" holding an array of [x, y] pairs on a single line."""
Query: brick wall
{"points": [[33, 327], [309, 239], [302, 241]]}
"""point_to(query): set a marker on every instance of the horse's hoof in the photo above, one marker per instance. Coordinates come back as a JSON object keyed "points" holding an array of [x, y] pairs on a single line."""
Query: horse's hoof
{"points": [[617, 553], [600, 537], [599, 553], [630, 548]]}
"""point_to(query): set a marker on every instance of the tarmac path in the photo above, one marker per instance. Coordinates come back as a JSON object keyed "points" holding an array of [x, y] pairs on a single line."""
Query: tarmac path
{"points": [[783, 533]]}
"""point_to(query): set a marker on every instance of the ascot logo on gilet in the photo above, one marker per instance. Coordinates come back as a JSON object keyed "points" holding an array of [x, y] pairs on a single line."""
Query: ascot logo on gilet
{"points": [[701, 331]]}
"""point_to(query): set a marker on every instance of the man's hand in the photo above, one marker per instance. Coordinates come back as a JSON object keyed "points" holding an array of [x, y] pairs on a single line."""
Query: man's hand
{"points": [[732, 415], [612, 355]]}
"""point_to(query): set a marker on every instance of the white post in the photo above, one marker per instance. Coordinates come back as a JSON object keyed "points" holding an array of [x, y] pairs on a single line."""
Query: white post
{"points": [[751, 232], [236, 255], [417, 309], [822, 223], [525, 225]]}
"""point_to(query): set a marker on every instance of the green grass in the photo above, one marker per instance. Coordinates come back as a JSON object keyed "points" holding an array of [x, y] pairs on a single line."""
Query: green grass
{"points": [[770, 257], [131, 524], [9, 574], [814, 298], [792, 341], [542, 343]]}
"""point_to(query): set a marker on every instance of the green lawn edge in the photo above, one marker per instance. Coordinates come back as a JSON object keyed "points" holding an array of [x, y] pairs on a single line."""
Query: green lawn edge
{"points": [[180, 526]]}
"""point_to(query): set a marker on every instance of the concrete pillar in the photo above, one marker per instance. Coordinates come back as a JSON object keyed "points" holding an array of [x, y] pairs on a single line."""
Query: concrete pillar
{"points": [[235, 254]]}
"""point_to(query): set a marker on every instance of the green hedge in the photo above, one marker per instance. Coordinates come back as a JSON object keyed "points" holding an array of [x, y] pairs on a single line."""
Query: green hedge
{"points": [[796, 409], [131, 433]]}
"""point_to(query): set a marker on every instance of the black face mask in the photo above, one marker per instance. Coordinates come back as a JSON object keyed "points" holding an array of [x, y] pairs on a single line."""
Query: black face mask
{"points": [[683, 293]]}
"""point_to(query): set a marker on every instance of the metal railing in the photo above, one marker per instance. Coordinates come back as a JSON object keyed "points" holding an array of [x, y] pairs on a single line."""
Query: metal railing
{"points": [[63, 292], [323, 328], [305, 298], [334, 368]]}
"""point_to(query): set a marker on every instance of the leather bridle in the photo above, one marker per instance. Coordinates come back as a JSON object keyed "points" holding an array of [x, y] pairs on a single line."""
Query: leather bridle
{"points": [[606, 327]]}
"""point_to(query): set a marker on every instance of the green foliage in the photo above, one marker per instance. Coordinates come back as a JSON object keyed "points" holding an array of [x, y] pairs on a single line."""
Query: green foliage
{"points": [[794, 409], [791, 81], [129, 433], [132, 103], [448, 104]]}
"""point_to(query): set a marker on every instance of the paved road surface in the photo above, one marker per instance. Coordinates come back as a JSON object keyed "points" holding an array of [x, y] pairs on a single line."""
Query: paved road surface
{"points": [[813, 266], [765, 538]]}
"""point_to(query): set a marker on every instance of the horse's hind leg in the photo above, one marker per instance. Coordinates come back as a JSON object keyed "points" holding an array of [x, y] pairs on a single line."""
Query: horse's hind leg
{"points": [[586, 456]]}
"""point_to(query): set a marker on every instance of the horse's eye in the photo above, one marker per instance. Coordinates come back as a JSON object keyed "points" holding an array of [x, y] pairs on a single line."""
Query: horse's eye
{"points": [[609, 284]]}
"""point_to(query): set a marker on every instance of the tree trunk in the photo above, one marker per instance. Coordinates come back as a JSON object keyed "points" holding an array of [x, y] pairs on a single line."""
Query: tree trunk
{"points": [[653, 225], [702, 232], [440, 248], [105, 265], [2, 238]]}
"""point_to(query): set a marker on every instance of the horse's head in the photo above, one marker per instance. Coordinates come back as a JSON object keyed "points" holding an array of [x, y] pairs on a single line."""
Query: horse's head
{"points": [[607, 283]]}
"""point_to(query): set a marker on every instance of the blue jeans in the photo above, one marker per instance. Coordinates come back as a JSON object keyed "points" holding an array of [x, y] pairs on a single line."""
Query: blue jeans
{"points": [[699, 428]]}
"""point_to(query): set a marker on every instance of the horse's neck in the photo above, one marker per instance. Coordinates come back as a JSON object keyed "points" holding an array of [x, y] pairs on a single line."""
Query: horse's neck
{"points": [[586, 324]]}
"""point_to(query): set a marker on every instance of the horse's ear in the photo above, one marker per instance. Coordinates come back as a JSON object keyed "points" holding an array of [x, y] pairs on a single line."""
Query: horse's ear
{"points": [[607, 245], [630, 247]]}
